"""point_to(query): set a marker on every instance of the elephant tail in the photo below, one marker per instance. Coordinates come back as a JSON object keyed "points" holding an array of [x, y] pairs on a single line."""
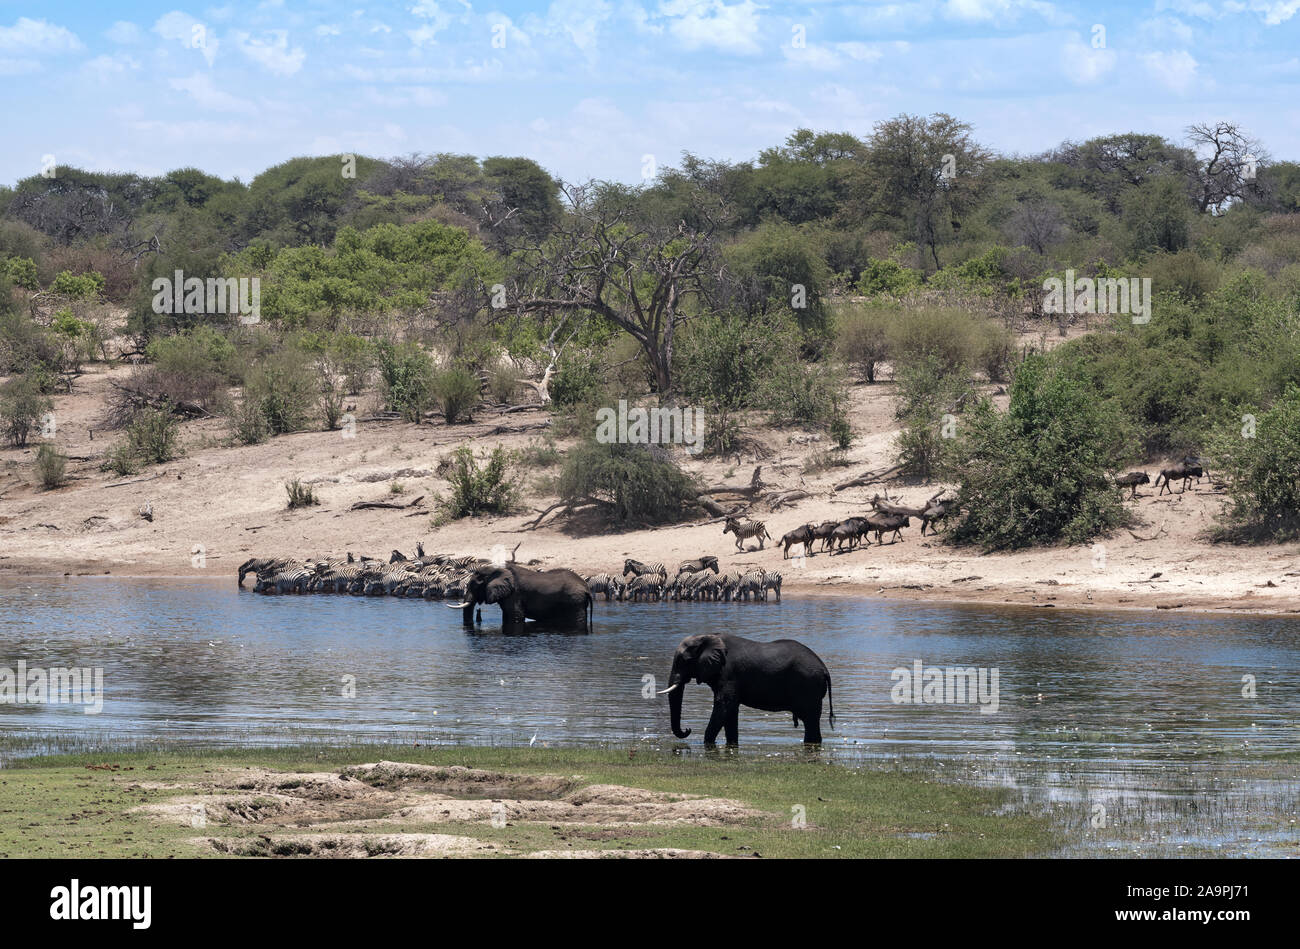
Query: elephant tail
{"points": [[830, 698], [591, 610]]}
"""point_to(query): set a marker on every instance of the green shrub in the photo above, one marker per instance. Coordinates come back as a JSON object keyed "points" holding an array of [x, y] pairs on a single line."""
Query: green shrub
{"points": [[503, 383], [21, 272], [475, 489], [862, 337], [800, 393], [22, 406], [929, 401], [576, 380], [154, 436], [631, 484], [888, 277], [285, 388], [50, 467], [946, 334], [120, 460], [407, 375], [457, 393], [248, 423], [300, 495], [1262, 464], [1039, 472], [86, 286]]}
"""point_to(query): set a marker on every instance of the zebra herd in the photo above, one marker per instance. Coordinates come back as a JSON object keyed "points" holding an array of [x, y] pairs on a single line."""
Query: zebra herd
{"points": [[697, 579], [436, 577]]}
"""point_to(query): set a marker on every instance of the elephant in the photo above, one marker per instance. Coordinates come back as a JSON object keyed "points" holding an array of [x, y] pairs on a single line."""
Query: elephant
{"points": [[560, 597], [780, 676]]}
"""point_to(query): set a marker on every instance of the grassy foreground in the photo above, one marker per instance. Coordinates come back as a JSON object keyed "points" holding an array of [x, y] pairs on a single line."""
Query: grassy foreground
{"points": [[82, 805]]}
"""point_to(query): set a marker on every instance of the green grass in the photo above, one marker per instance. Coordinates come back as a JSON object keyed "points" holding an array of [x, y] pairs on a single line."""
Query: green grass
{"points": [[70, 806]]}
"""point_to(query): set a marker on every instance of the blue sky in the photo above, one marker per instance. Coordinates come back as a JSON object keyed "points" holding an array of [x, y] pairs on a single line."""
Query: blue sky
{"points": [[589, 88]]}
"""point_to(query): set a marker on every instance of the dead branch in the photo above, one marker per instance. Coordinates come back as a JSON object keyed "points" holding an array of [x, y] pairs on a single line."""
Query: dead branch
{"points": [[371, 505]]}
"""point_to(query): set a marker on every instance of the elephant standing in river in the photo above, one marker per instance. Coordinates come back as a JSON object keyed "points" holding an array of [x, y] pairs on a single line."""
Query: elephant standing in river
{"points": [[559, 597], [780, 676]]}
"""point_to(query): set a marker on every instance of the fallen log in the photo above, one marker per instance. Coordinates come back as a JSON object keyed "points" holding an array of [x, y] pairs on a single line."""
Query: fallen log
{"points": [[389, 505], [868, 478]]}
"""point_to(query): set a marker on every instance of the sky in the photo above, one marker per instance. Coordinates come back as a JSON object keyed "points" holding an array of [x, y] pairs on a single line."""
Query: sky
{"points": [[616, 89]]}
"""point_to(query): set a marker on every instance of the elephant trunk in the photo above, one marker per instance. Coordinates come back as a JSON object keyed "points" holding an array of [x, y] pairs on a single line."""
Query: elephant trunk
{"points": [[676, 686]]}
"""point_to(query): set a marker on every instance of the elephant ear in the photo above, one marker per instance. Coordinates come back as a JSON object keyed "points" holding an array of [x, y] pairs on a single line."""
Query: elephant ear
{"points": [[712, 657], [500, 588]]}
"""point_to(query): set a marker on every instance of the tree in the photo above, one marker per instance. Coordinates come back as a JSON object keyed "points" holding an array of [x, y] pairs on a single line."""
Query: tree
{"points": [[639, 275], [1228, 166], [922, 173], [1158, 216], [528, 194]]}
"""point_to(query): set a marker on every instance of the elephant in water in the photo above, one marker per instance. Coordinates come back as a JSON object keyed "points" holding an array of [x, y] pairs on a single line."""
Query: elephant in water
{"points": [[780, 676], [557, 597]]}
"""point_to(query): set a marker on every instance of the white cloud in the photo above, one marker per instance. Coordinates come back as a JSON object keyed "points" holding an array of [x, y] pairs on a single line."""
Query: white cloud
{"points": [[981, 11], [1082, 64], [1175, 69], [109, 65], [18, 67], [37, 36], [732, 28], [832, 56], [189, 32], [580, 20], [1272, 12], [204, 92], [328, 29], [272, 51], [124, 33]]}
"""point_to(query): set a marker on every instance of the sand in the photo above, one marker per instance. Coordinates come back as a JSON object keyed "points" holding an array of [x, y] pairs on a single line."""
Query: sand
{"points": [[219, 505]]}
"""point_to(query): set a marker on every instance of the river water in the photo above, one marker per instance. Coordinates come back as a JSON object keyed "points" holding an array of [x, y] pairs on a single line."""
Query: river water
{"points": [[1181, 729]]}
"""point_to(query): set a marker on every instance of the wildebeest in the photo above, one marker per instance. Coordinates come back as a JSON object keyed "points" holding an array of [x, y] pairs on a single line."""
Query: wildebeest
{"points": [[1196, 461], [935, 512], [800, 535], [823, 532], [1131, 480], [884, 523], [1180, 472], [849, 531]]}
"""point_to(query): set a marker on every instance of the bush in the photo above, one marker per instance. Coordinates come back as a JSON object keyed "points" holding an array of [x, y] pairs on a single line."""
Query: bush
{"points": [[862, 338], [947, 334], [50, 467], [928, 402], [1040, 472], [801, 393], [120, 460], [300, 495], [22, 406], [407, 375], [632, 484], [577, 380], [475, 490], [248, 424], [503, 383], [1263, 469], [21, 272], [888, 277], [285, 389], [86, 286], [153, 436], [457, 392]]}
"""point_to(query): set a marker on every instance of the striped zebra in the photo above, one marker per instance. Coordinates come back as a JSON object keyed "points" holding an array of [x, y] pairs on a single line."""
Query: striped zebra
{"points": [[751, 584], [604, 583], [639, 569], [745, 530], [727, 585], [698, 565], [645, 585], [772, 581], [261, 565], [292, 579]]}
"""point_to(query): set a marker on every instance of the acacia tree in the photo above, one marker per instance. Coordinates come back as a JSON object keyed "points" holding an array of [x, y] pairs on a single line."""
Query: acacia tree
{"points": [[922, 173], [1229, 164], [604, 258]]}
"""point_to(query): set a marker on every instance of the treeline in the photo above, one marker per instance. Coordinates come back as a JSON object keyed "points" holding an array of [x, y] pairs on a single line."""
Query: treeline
{"points": [[755, 289]]}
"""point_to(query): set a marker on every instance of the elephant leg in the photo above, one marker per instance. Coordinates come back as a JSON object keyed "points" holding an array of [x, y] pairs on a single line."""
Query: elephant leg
{"points": [[716, 720], [812, 725], [732, 724]]}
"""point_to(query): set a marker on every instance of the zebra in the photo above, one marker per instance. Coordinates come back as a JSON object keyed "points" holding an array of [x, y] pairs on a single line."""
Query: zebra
{"points": [[646, 585], [772, 581], [637, 568], [727, 585], [751, 583], [292, 579], [604, 583], [698, 565], [745, 530], [260, 565]]}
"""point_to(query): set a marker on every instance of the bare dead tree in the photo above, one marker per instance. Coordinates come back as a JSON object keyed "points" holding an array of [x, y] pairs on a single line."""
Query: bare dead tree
{"points": [[604, 259], [1229, 161]]}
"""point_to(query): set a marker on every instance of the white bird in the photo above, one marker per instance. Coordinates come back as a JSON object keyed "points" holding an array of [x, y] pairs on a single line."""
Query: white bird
{"points": [[532, 740]]}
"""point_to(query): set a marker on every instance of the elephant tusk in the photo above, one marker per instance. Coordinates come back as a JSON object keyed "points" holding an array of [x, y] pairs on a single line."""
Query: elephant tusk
{"points": [[457, 606], [669, 689]]}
